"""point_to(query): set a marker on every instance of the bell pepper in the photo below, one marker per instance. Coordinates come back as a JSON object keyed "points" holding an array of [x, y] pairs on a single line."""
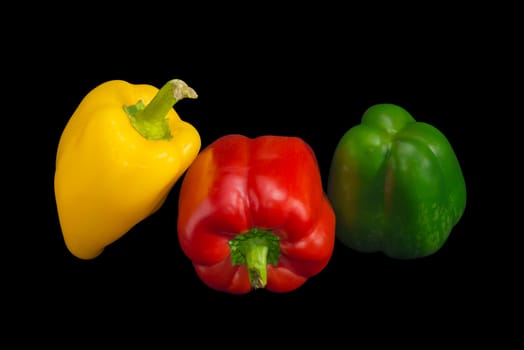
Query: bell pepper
{"points": [[253, 214], [119, 155], [396, 185]]}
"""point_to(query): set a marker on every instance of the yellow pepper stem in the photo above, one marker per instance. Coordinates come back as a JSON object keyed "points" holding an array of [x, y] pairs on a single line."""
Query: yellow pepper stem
{"points": [[151, 121]]}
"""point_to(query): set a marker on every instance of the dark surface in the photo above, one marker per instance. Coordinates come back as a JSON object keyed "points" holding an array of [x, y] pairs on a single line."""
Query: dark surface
{"points": [[297, 83]]}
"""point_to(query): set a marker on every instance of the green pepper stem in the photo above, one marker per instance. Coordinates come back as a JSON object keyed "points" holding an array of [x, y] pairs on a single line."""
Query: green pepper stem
{"points": [[256, 263], [255, 249], [150, 120]]}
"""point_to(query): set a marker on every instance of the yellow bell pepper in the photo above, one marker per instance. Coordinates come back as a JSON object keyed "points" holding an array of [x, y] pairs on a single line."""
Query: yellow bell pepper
{"points": [[118, 157]]}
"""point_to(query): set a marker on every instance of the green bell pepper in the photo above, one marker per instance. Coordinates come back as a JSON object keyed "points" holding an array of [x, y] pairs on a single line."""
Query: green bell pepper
{"points": [[396, 185]]}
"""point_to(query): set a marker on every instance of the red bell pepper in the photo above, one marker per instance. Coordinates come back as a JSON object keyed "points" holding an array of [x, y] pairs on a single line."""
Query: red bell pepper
{"points": [[253, 214]]}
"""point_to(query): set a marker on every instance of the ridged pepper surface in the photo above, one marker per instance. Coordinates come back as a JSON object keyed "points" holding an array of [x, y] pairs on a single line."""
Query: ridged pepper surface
{"points": [[253, 214], [396, 185]]}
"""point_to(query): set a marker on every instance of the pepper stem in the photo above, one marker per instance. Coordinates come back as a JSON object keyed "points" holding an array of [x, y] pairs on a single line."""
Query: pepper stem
{"points": [[150, 120], [255, 249]]}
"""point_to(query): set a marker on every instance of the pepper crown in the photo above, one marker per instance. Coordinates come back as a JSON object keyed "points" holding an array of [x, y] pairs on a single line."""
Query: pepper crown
{"points": [[255, 249]]}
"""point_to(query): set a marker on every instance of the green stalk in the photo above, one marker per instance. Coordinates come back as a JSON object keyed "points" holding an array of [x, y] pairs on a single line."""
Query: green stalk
{"points": [[255, 249], [151, 120]]}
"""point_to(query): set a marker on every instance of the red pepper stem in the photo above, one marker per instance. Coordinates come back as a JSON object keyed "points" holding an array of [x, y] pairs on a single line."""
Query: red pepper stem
{"points": [[150, 120], [256, 249]]}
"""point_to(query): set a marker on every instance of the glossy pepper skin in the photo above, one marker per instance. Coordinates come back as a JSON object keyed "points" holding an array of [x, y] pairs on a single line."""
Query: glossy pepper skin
{"points": [[253, 214], [118, 157], [396, 185]]}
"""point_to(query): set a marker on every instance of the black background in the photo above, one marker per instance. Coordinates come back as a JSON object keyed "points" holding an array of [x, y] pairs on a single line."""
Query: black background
{"points": [[262, 76]]}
